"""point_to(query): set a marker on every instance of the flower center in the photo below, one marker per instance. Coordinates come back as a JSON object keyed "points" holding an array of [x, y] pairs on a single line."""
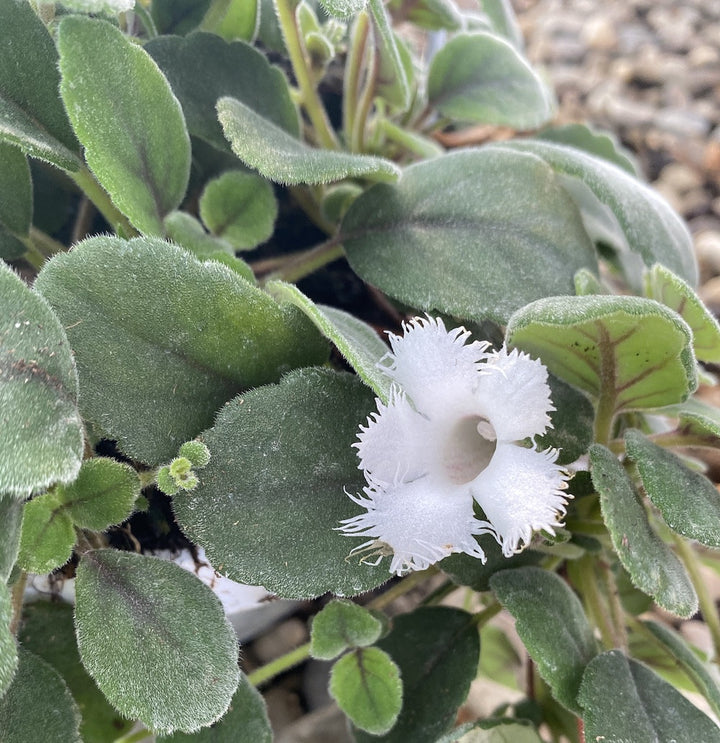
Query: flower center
{"points": [[468, 449]]}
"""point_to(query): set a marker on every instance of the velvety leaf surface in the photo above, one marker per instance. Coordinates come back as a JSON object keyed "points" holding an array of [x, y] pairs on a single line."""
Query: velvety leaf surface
{"points": [[31, 112], [202, 68], [245, 722], [469, 571], [240, 208], [270, 500], [480, 77], [392, 82], [162, 340], [155, 639], [437, 650], [47, 537], [701, 673], [343, 8], [128, 120], [8, 648], [38, 705], [11, 511], [367, 687], [16, 198], [357, 342], [241, 19], [687, 500], [501, 15], [662, 285], [593, 142], [637, 345], [48, 630], [429, 14], [178, 16], [188, 232], [551, 621], [652, 231], [340, 625], [625, 700], [476, 234], [652, 565], [103, 494], [41, 435], [282, 158]]}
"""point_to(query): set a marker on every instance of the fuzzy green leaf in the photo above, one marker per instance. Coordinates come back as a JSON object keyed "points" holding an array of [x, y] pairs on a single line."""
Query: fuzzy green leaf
{"points": [[652, 565], [502, 18], [162, 340], [340, 625], [16, 201], [103, 494], [552, 624], [625, 700], [437, 650], [38, 705], [8, 647], [599, 143], [41, 435], [621, 210], [245, 722], [239, 207], [11, 512], [392, 81], [664, 286], [480, 77], [367, 687], [281, 158], [31, 112], [704, 675], [475, 233], [48, 630], [343, 8], [270, 500], [432, 15], [687, 500], [240, 19], [187, 672], [127, 118], [48, 535], [357, 342], [203, 68], [178, 16], [637, 348]]}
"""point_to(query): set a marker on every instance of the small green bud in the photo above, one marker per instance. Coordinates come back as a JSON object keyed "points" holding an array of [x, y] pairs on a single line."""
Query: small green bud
{"points": [[179, 467], [166, 482], [188, 482], [196, 452]]}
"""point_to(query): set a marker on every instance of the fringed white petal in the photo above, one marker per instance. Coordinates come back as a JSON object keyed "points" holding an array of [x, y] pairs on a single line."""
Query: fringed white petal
{"points": [[434, 367], [394, 445], [419, 524], [521, 491], [514, 395]]}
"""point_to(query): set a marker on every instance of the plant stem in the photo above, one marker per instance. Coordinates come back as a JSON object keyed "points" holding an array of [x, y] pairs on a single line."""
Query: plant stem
{"points": [[400, 589], [364, 104], [605, 413], [134, 737], [146, 20], [47, 245], [707, 604], [86, 182], [481, 618], [593, 600], [309, 96], [613, 599], [303, 264], [353, 67], [17, 596], [275, 667]]}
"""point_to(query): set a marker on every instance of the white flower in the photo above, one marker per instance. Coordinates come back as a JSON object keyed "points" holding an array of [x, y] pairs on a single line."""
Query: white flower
{"points": [[452, 434]]}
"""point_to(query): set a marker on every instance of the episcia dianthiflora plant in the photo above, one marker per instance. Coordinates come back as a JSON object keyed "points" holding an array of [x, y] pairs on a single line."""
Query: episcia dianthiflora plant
{"points": [[209, 212]]}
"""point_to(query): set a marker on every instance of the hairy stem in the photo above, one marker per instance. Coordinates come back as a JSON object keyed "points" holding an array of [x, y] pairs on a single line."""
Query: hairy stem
{"points": [[17, 596], [86, 182], [353, 69], [304, 263]]}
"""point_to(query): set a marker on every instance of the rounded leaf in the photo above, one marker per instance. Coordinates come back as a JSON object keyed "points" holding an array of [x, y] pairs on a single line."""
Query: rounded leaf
{"points": [[103, 494], [127, 118], [162, 340], [240, 208], [41, 435], [186, 672], [38, 705], [367, 687], [340, 625], [48, 535], [481, 77], [475, 233], [638, 346], [625, 700], [270, 501]]}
